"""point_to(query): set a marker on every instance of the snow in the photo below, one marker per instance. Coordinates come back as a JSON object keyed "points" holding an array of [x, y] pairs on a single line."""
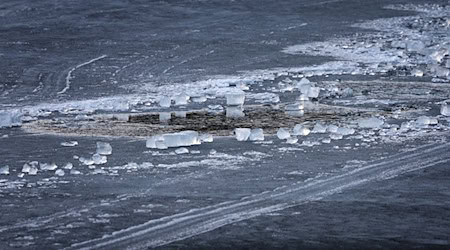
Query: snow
{"points": [[104, 148], [242, 134], [256, 134], [283, 133], [372, 122]]}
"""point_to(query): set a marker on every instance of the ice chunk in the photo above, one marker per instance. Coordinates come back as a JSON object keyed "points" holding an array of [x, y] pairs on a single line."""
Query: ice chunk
{"points": [[347, 92], [424, 121], [4, 170], [242, 134], [181, 99], [48, 166], [438, 55], [164, 101], [300, 130], [334, 136], [256, 134], [181, 139], [75, 172], [180, 151], [417, 72], [164, 117], [236, 98], [99, 159], [292, 140], [86, 161], [206, 138], [60, 172], [319, 128], [69, 144], [415, 45], [33, 170], [326, 140], [345, 131], [104, 148], [26, 168], [151, 142], [372, 122], [20, 175], [295, 113], [235, 112], [294, 107], [313, 92], [181, 114], [283, 133], [68, 166], [161, 145], [332, 129], [445, 109], [199, 99], [10, 118]]}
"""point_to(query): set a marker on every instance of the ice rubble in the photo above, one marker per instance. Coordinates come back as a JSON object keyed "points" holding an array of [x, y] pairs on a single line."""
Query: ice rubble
{"points": [[242, 134], [180, 139], [104, 148]]}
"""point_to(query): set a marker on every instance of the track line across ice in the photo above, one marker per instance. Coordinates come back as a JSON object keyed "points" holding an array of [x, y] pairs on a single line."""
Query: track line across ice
{"points": [[194, 222], [69, 74]]}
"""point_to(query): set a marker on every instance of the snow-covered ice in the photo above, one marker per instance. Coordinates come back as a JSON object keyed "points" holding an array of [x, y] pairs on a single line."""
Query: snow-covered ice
{"points": [[104, 148], [242, 134]]}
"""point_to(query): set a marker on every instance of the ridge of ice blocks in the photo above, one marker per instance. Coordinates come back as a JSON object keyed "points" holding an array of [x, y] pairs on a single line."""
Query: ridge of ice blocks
{"points": [[104, 148], [60, 172], [181, 99], [180, 139], [242, 134], [319, 128], [48, 166], [180, 151], [235, 112], [283, 133], [206, 138], [236, 98], [300, 130], [164, 116], [99, 159], [10, 119], [164, 101], [371, 122], [445, 109], [4, 170], [256, 134], [69, 144]]}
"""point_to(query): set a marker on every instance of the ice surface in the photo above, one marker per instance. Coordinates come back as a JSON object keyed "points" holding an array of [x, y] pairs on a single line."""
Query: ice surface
{"points": [[69, 144], [4, 170], [372, 122], [68, 166], [445, 109], [206, 138], [164, 116], [164, 101], [99, 159], [104, 148], [180, 151], [236, 98], [300, 130], [60, 172], [235, 112], [10, 118], [256, 134], [242, 134], [283, 133], [48, 166], [319, 128], [181, 99]]}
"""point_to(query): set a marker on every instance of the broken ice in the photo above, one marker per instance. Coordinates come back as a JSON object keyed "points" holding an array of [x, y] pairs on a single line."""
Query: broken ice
{"points": [[180, 151], [180, 139], [59, 172], [242, 134], [99, 159], [181, 99], [445, 109], [319, 128], [104, 148]]}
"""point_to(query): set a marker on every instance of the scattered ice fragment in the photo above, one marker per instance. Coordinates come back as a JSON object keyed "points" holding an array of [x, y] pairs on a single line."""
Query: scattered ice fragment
{"points": [[164, 116], [181, 99], [256, 134], [59, 172], [206, 138], [417, 72], [372, 122], [75, 172], [319, 128], [212, 152], [99, 159], [300, 130], [242, 134], [445, 109], [326, 140], [292, 140], [236, 98], [68, 166], [283, 133], [48, 166], [180, 151], [334, 136], [181, 139], [345, 131], [104, 148], [4, 170], [26, 168], [86, 161], [235, 112], [69, 144], [165, 101], [20, 175]]}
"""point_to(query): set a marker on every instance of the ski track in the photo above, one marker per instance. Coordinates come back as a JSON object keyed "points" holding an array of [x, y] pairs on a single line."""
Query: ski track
{"points": [[69, 74], [194, 222]]}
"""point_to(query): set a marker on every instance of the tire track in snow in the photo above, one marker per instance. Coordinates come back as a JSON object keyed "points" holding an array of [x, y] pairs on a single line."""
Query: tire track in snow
{"points": [[194, 222], [69, 74]]}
